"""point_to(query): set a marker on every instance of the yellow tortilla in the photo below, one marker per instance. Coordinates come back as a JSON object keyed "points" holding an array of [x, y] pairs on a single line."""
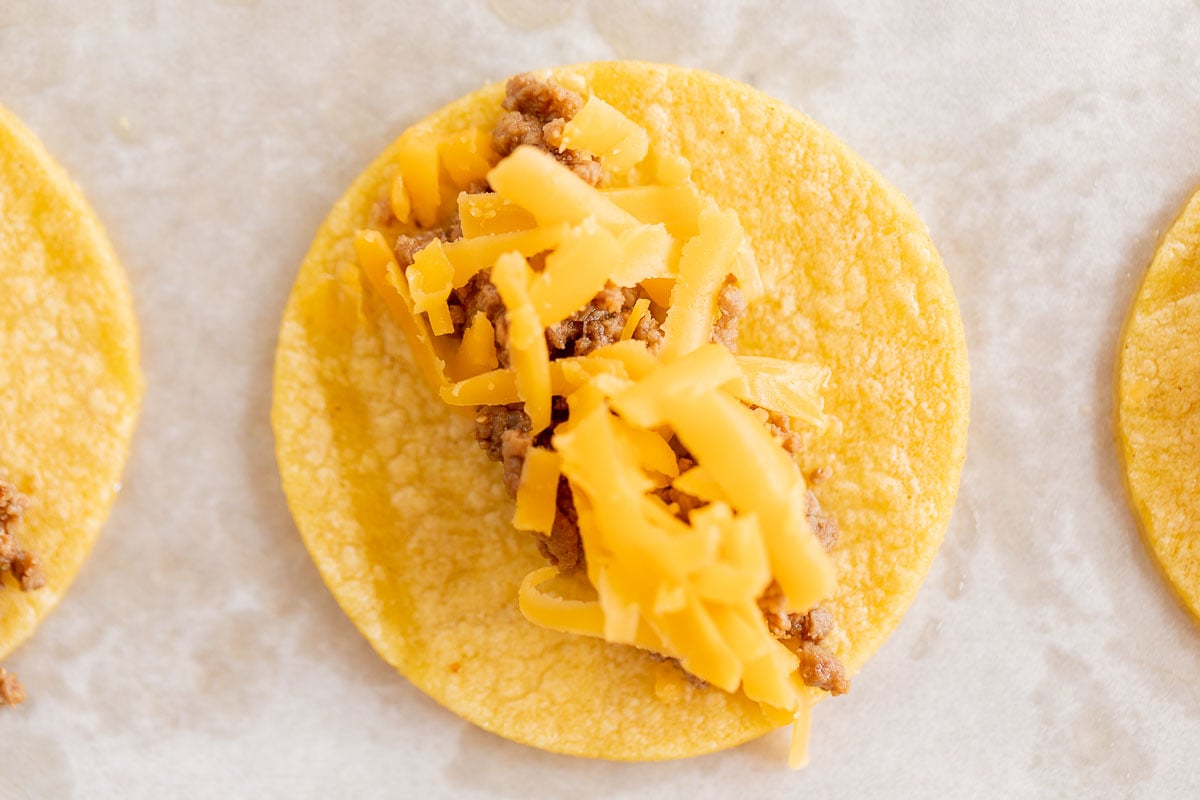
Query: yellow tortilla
{"points": [[1158, 406], [69, 365], [408, 521]]}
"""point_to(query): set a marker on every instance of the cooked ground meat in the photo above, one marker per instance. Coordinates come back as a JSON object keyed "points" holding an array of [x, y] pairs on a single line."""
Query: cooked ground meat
{"points": [[514, 444], [780, 426], [600, 322], [12, 693], [731, 305], [491, 423], [822, 669], [563, 548], [23, 566], [537, 110], [824, 525], [407, 246]]}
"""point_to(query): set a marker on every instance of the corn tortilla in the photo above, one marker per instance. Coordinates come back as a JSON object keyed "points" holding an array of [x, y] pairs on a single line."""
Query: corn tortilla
{"points": [[408, 521], [1158, 406], [69, 361]]}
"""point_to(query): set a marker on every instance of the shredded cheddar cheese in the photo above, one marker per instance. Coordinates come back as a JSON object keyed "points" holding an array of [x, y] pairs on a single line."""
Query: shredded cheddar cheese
{"points": [[682, 583]]}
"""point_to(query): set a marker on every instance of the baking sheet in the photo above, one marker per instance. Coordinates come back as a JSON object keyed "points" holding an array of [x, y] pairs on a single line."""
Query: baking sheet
{"points": [[199, 655]]}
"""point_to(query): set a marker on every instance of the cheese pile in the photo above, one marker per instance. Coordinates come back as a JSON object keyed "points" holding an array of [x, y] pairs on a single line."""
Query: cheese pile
{"points": [[684, 589]]}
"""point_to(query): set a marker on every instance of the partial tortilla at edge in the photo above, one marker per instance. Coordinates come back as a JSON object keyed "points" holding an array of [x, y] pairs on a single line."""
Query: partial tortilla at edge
{"points": [[69, 361], [1158, 406], [408, 521]]}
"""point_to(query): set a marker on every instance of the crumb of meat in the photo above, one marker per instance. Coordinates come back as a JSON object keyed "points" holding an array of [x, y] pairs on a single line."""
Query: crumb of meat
{"points": [[407, 246], [780, 427], [822, 669], [491, 422], [731, 305], [12, 693], [563, 548], [820, 474], [477, 295], [514, 444], [823, 524], [537, 110], [600, 323]]}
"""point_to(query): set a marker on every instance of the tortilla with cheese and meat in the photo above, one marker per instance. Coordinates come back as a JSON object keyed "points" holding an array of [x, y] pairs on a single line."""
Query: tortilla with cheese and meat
{"points": [[696, 330]]}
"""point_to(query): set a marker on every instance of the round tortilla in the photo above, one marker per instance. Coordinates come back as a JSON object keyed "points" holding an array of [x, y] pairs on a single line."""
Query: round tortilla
{"points": [[1158, 406], [408, 522], [69, 361]]}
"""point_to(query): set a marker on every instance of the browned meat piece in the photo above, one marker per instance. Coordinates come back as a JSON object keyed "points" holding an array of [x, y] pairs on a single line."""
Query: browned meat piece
{"points": [[600, 323], [685, 502], [813, 626], [480, 294], [780, 426], [28, 571], [537, 110], [514, 444], [821, 668], [540, 98], [406, 246], [12, 693], [491, 422], [823, 525], [731, 305], [564, 547]]}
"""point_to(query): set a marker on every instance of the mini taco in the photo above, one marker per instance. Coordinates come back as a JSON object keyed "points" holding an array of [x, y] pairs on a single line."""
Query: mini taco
{"points": [[699, 335], [1158, 406], [72, 386]]}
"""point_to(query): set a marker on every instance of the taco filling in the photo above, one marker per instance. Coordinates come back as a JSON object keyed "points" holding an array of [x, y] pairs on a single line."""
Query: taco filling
{"points": [[589, 321], [24, 568]]}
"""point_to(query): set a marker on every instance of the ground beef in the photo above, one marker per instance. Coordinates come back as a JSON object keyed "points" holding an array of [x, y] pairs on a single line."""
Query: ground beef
{"points": [[563, 548], [537, 110], [514, 444], [780, 427], [731, 305], [822, 669], [491, 423], [477, 295], [406, 246], [601, 322]]}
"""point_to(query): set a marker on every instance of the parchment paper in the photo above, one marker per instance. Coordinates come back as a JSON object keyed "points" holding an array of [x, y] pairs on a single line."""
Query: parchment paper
{"points": [[199, 655]]}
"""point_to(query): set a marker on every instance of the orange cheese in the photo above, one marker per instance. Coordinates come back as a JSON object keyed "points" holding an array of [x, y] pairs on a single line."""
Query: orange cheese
{"points": [[477, 353], [636, 315], [606, 133], [574, 273], [429, 282], [676, 207], [378, 264], [469, 256], [401, 205], [467, 155], [706, 261], [788, 387], [418, 159], [537, 182], [537, 493], [527, 341], [487, 213]]}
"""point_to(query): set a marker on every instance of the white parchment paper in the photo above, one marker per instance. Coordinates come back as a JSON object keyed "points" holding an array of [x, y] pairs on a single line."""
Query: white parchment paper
{"points": [[199, 655]]}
